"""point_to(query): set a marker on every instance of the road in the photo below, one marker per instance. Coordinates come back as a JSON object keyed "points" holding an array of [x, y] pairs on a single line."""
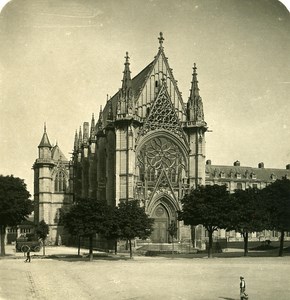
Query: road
{"points": [[144, 278]]}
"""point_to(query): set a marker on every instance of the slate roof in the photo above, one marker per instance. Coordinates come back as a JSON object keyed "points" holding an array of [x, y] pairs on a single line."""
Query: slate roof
{"points": [[45, 141], [137, 83], [56, 154], [254, 174]]}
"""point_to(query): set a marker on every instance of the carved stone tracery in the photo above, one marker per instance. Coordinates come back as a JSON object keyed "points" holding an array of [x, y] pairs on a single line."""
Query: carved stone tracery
{"points": [[162, 115], [158, 154]]}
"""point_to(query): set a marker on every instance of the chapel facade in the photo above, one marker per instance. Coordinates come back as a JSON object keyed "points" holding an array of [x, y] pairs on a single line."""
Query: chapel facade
{"points": [[147, 144]]}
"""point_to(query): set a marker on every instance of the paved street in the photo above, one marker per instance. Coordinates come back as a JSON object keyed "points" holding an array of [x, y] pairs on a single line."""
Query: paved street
{"points": [[143, 278]]}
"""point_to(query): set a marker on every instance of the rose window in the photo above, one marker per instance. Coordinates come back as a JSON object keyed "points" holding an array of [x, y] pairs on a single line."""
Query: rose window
{"points": [[160, 154]]}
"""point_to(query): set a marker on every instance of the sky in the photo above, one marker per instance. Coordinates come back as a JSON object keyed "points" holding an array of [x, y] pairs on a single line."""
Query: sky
{"points": [[60, 58]]}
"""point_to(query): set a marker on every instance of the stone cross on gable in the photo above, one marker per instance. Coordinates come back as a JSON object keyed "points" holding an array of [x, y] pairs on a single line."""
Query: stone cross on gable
{"points": [[161, 39]]}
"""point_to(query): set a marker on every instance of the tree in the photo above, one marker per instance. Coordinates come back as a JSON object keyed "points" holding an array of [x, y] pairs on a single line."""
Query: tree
{"points": [[133, 222], [86, 217], [111, 226], [42, 230], [247, 213], [208, 206], [277, 200], [15, 205]]}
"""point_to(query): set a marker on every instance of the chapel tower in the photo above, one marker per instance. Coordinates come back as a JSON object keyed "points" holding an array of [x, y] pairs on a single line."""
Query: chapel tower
{"points": [[51, 188], [195, 127]]}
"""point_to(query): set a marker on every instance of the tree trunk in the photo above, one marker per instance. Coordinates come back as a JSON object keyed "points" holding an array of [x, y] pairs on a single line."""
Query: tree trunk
{"points": [[79, 246], [116, 246], [193, 237], [281, 242], [126, 246], [246, 238], [130, 246], [2, 239], [210, 244], [91, 248], [43, 247]]}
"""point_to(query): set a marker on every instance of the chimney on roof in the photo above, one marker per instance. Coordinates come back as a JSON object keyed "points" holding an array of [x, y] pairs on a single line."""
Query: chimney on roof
{"points": [[288, 167], [237, 163], [208, 162], [261, 165]]}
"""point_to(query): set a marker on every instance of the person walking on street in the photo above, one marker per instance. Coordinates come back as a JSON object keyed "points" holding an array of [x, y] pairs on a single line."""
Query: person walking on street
{"points": [[28, 259], [243, 294]]}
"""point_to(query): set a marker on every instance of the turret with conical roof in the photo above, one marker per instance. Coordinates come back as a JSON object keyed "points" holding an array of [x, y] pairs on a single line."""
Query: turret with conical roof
{"points": [[44, 146], [50, 186]]}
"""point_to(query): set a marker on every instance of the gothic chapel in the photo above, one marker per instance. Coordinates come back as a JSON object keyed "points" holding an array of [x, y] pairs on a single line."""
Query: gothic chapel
{"points": [[147, 144]]}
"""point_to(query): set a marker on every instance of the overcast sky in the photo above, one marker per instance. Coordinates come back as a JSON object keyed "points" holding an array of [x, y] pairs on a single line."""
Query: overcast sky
{"points": [[59, 60]]}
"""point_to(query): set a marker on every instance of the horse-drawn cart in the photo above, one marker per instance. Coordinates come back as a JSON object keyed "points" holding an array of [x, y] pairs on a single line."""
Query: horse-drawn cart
{"points": [[24, 244]]}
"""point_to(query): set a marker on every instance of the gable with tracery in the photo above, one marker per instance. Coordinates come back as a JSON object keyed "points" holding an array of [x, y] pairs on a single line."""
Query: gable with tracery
{"points": [[162, 115], [159, 74]]}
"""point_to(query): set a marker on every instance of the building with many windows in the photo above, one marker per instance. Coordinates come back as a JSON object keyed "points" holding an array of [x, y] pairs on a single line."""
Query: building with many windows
{"points": [[243, 177]]}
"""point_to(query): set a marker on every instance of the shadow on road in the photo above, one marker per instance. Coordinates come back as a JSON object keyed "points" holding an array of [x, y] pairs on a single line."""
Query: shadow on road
{"points": [[77, 258]]}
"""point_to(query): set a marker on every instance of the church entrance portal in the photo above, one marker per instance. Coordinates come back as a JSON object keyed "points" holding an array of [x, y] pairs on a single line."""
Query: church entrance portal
{"points": [[161, 222]]}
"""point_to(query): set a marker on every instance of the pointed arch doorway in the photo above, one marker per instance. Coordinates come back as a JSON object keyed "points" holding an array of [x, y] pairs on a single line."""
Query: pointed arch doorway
{"points": [[161, 223]]}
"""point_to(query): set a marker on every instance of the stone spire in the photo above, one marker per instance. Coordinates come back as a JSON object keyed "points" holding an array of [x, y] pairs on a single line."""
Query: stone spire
{"points": [[100, 123], [80, 140], [194, 84], [86, 131], [126, 101], [93, 128], [45, 141], [126, 82], [110, 115], [76, 142], [194, 104]]}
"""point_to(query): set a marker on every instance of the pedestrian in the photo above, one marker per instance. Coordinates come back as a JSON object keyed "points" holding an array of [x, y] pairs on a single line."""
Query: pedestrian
{"points": [[243, 294], [28, 258]]}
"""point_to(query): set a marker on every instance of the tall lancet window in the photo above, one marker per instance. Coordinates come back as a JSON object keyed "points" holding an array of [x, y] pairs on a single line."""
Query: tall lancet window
{"points": [[60, 182]]}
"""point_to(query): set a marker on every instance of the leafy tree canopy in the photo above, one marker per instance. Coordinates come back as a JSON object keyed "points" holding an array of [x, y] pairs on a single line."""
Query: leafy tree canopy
{"points": [[42, 230], [207, 205], [277, 200], [15, 205], [133, 221], [247, 211], [86, 217]]}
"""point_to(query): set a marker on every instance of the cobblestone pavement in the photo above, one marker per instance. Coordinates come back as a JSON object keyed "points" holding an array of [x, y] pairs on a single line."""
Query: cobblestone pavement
{"points": [[143, 278]]}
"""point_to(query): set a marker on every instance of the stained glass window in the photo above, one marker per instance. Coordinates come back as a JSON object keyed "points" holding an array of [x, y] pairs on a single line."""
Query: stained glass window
{"points": [[159, 154], [59, 182]]}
